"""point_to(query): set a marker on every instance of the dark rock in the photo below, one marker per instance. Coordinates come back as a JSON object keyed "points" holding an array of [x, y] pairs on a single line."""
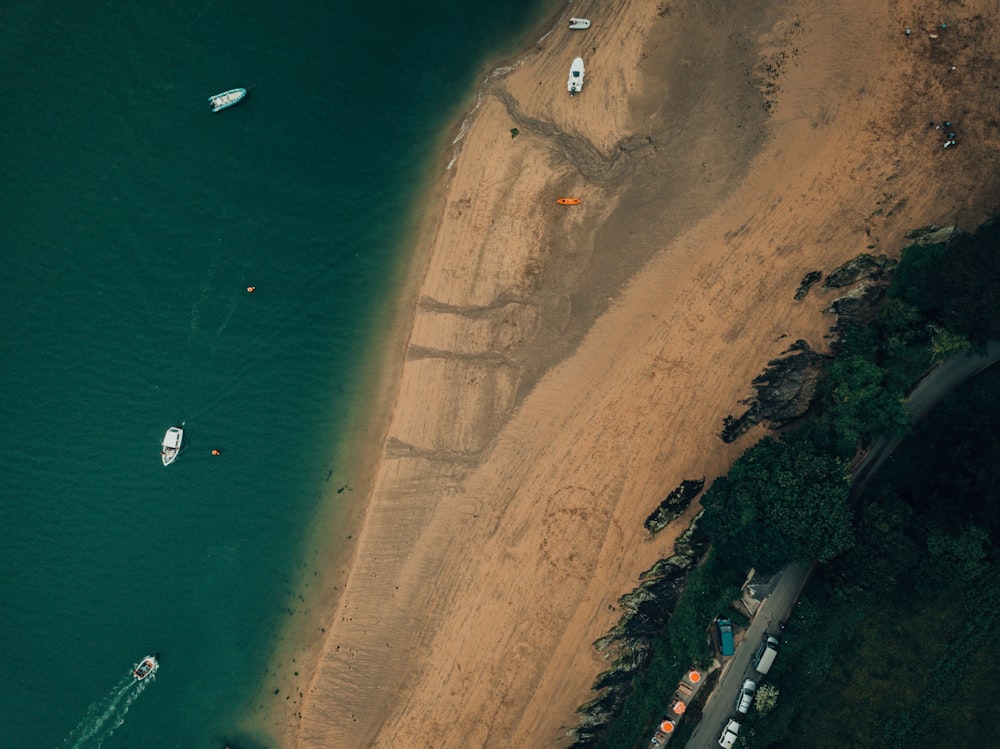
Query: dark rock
{"points": [[645, 613], [863, 266], [674, 505], [860, 307], [923, 230], [733, 426], [786, 388], [938, 236], [807, 283], [784, 391]]}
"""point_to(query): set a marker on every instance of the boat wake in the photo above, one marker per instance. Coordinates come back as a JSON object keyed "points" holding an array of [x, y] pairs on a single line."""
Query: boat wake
{"points": [[106, 715]]}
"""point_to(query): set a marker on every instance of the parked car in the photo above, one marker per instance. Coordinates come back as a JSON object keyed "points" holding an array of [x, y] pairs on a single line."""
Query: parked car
{"points": [[767, 651], [726, 646], [729, 734], [745, 698]]}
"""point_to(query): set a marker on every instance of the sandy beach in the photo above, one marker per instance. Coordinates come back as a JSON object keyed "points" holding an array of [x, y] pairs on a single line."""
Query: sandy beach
{"points": [[562, 368]]}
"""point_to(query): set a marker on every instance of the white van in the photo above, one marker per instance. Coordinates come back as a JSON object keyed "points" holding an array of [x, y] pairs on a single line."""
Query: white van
{"points": [[767, 651]]}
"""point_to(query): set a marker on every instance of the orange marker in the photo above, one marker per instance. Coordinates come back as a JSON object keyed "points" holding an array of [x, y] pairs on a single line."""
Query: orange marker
{"points": [[251, 289], [216, 452]]}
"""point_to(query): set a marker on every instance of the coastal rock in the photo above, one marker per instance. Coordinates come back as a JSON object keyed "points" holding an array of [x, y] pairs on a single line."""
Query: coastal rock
{"points": [[646, 611], [784, 391], [734, 426], [675, 504], [859, 307], [933, 234], [786, 388], [939, 236], [807, 283], [863, 266]]}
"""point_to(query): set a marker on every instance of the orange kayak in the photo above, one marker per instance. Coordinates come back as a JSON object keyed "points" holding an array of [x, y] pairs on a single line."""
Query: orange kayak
{"points": [[568, 201]]}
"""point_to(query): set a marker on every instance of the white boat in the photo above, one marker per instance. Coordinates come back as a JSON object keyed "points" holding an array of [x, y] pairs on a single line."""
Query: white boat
{"points": [[171, 445], [576, 73], [579, 23], [226, 99], [145, 667]]}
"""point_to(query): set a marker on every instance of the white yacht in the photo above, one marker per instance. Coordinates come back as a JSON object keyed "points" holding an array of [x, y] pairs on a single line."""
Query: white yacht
{"points": [[171, 445]]}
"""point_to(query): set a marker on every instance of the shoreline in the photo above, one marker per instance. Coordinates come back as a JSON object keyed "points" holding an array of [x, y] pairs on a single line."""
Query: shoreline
{"points": [[580, 363]]}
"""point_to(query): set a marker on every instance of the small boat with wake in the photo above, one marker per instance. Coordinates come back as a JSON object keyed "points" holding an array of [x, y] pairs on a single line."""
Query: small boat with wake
{"points": [[171, 445], [576, 73], [145, 667], [226, 99]]}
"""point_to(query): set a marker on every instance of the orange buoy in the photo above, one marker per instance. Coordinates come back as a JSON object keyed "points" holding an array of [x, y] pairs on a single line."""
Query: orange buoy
{"points": [[216, 452], [251, 289], [568, 201]]}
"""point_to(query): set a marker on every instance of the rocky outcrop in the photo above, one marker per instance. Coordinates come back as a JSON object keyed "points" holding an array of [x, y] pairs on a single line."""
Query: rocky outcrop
{"points": [[786, 388], [674, 505], [645, 613], [783, 392], [859, 307], [807, 283], [933, 234], [871, 267]]}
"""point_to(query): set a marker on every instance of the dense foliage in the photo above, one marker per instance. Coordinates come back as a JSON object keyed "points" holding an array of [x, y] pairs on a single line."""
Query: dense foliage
{"points": [[782, 501], [895, 634], [955, 285]]}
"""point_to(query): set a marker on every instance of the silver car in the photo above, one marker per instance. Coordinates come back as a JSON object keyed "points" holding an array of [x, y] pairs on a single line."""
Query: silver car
{"points": [[745, 698]]}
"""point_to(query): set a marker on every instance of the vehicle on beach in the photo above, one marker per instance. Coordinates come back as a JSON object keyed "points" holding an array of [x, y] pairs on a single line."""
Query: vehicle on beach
{"points": [[226, 99], [579, 23], [171, 445], [145, 667], [576, 72]]}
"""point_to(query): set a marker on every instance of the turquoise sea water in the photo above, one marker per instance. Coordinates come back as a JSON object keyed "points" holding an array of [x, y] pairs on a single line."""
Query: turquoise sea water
{"points": [[133, 221]]}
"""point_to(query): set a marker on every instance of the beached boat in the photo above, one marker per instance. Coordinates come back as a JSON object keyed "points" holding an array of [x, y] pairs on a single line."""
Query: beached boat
{"points": [[171, 445], [576, 73], [145, 667], [579, 23], [226, 99], [568, 201]]}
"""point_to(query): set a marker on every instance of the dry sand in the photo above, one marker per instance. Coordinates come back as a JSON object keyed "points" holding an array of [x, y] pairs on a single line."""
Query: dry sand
{"points": [[566, 367]]}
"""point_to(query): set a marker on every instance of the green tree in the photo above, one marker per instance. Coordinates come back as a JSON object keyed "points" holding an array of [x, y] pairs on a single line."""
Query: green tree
{"points": [[944, 343], [767, 698], [859, 405], [781, 501]]}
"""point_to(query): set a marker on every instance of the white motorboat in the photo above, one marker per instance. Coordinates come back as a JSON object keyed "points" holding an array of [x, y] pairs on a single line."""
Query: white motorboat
{"points": [[171, 445], [145, 667], [579, 23], [226, 99], [576, 73]]}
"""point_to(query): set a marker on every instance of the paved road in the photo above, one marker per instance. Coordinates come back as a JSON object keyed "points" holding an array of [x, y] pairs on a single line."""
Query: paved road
{"points": [[721, 705]]}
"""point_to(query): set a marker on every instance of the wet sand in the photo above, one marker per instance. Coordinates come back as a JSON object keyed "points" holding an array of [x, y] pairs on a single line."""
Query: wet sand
{"points": [[562, 368]]}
